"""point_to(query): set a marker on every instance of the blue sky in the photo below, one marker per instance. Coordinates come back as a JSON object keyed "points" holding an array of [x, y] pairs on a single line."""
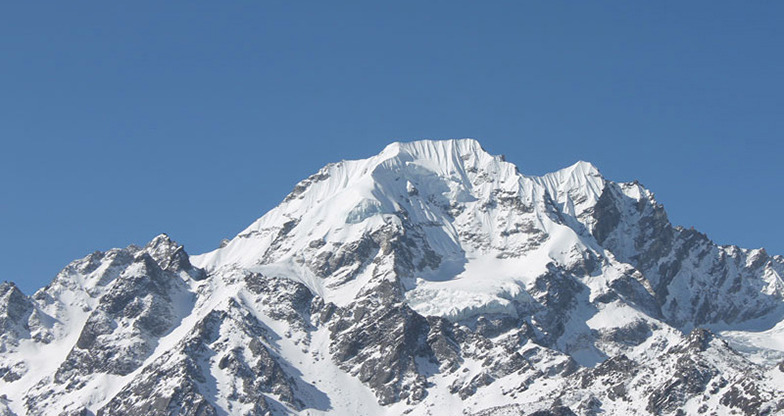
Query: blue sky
{"points": [[119, 121]]}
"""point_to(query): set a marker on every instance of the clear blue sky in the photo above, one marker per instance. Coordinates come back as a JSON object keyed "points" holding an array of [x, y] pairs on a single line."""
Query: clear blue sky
{"points": [[121, 120]]}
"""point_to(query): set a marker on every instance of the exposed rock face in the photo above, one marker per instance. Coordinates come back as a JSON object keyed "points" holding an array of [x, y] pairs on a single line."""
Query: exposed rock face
{"points": [[694, 281], [15, 311], [430, 279], [384, 354], [121, 332], [127, 301], [177, 382]]}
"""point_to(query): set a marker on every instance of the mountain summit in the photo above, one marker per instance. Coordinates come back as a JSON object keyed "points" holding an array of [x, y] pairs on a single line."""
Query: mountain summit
{"points": [[432, 278]]}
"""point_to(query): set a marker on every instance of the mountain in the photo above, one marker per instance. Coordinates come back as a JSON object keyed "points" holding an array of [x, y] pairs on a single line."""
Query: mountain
{"points": [[430, 279]]}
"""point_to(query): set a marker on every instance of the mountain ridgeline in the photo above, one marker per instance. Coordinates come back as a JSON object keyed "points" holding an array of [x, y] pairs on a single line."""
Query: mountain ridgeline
{"points": [[430, 279]]}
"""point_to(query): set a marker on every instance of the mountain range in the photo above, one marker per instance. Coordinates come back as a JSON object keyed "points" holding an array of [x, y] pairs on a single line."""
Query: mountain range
{"points": [[431, 279]]}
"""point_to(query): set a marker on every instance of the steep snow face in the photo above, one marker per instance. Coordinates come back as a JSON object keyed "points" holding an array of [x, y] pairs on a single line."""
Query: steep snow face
{"points": [[576, 189], [347, 198], [457, 210]]}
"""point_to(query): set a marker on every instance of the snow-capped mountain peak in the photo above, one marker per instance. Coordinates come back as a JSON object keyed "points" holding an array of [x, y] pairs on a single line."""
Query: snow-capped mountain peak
{"points": [[457, 207]]}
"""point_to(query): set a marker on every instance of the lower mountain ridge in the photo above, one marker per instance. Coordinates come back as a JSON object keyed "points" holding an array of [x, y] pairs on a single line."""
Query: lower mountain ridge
{"points": [[430, 279]]}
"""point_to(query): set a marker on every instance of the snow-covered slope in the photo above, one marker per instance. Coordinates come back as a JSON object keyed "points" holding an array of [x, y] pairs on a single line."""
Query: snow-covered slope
{"points": [[432, 278]]}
